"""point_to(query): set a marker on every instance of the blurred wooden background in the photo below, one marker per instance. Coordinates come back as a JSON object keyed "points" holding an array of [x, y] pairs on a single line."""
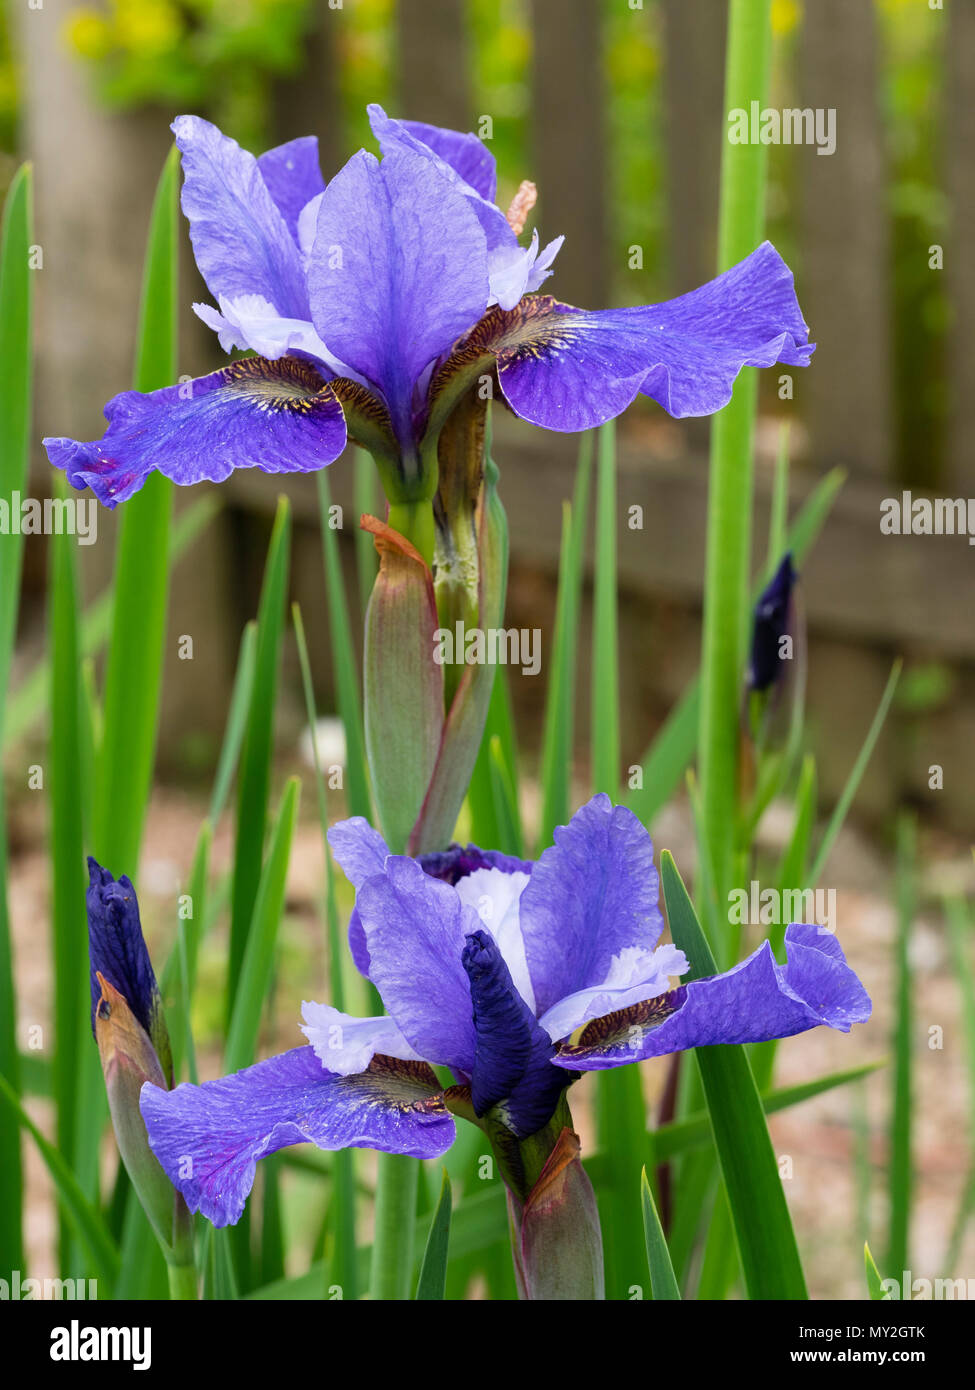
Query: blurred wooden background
{"points": [[890, 396]]}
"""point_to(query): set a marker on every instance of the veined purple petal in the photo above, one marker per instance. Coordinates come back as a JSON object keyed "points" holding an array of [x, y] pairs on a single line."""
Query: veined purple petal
{"points": [[251, 322], [590, 896], [240, 237], [634, 975], [397, 274], [569, 369], [755, 1001], [454, 157], [209, 1138], [512, 1066], [466, 154], [346, 1045], [361, 852], [281, 417], [293, 177], [415, 928]]}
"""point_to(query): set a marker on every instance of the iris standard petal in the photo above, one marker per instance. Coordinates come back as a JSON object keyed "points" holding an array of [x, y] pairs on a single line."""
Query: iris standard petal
{"points": [[415, 929], [281, 417], [345, 1045], [755, 1001], [240, 237], [209, 1138], [398, 272], [361, 852], [466, 154], [590, 896], [293, 177], [464, 161], [512, 1066], [496, 896]]}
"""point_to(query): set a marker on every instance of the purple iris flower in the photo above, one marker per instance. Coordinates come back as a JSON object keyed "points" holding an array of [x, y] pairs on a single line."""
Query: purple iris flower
{"points": [[517, 977], [371, 304]]}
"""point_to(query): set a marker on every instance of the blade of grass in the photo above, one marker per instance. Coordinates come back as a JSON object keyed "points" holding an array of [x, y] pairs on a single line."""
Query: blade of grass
{"points": [[69, 936], [133, 675], [663, 1282], [557, 740], [342, 1267], [86, 1220], [347, 686], [901, 1171], [254, 778], [433, 1269], [16, 287], [486, 812], [959, 940], [741, 220], [28, 706], [766, 1240], [856, 774], [621, 1121], [262, 937], [240, 700]]}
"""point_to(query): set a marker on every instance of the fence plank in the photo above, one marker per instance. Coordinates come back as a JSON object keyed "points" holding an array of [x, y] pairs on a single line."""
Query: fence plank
{"points": [[434, 67], [959, 262], [845, 235], [694, 38], [568, 130]]}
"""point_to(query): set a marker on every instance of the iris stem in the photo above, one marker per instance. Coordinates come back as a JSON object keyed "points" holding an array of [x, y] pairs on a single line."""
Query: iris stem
{"points": [[182, 1281], [414, 520], [392, 1248], [731, 484]]}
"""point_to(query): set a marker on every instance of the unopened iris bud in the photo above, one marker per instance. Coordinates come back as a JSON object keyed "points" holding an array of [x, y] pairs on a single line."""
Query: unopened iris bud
{"points": [[117, 951], [128, 1061], [772, 629], [133, 1044]]}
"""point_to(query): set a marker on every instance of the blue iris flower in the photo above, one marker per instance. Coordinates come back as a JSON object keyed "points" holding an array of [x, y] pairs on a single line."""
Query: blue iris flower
{"points": [[371, 304], [517, 977]]}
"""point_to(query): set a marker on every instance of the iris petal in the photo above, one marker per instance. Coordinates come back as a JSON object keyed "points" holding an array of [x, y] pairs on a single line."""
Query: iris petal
{"points": [[590, 896], [512, 1066], [240, 237], [755, 1001], [415, 928], [281, 417], [397, 273], [209, 1138], [293, 177]]}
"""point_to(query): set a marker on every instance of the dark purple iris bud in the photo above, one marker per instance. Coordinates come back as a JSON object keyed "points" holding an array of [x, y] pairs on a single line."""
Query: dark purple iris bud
{"points": [[773, 621], [117, 951], [511, 1058]]}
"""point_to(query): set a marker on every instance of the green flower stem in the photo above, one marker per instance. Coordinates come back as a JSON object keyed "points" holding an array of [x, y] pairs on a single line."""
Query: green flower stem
{"points": [[182, 1281], [731, 487], [391, 1274], [414, 520]]}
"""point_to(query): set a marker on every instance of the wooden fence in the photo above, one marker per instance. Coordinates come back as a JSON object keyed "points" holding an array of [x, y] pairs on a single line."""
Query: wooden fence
{"points": [[867, 595]]}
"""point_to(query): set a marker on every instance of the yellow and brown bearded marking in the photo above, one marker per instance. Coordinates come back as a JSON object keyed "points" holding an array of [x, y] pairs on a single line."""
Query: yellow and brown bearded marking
{"points": [[287, 385], [616, 1030], [406, 1086], [538, 326]]}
